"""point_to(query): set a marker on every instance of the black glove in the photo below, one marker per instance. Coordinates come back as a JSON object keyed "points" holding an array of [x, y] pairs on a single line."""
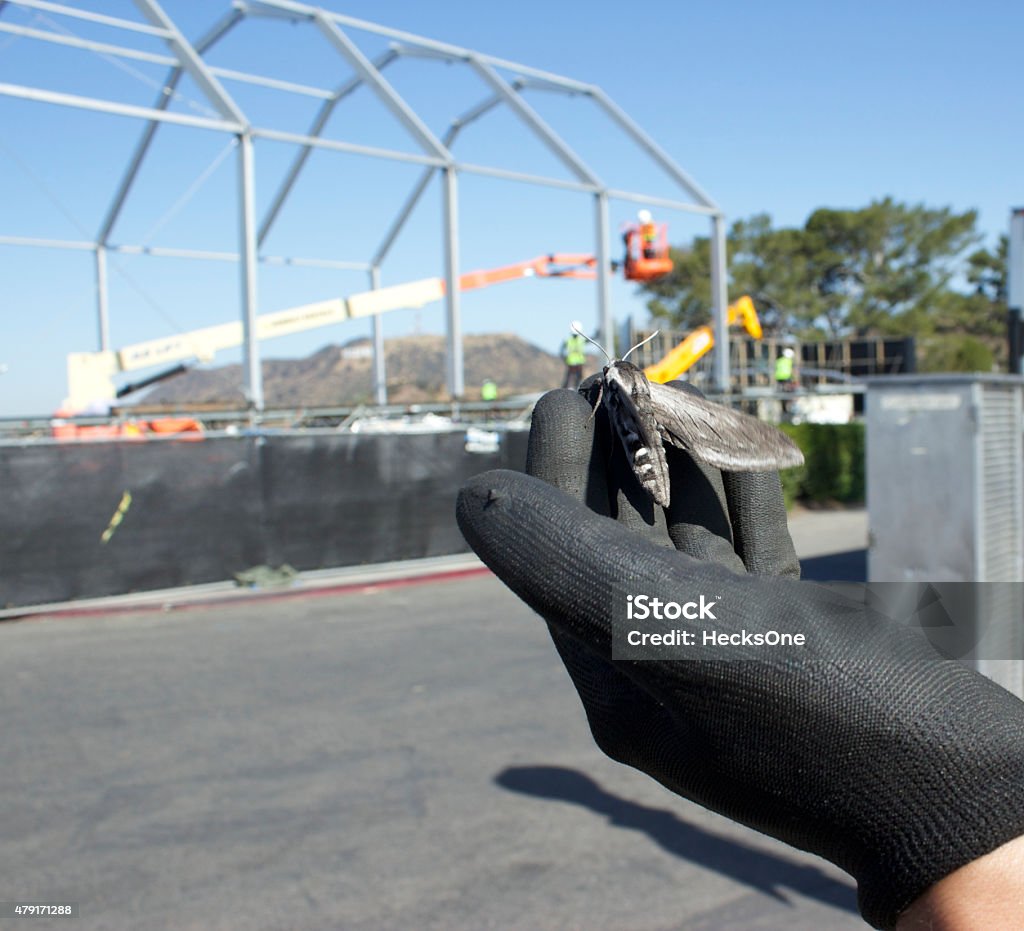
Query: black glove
{"points": [[865, 748]]}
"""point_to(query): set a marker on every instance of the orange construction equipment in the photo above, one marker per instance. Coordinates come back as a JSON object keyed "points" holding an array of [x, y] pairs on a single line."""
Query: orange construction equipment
{"points": [[62, 428], [647, 258], [556, 265], [177, 425], [91, 374], [701, 341]]}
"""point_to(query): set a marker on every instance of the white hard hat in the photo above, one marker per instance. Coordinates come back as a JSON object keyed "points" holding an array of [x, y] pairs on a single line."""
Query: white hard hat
{"points": [[788, 353], [577, 325], [644, 216]]}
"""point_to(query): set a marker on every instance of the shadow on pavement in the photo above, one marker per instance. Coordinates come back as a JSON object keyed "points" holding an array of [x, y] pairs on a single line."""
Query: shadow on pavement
{"points": [[851, 566], [765, 872]]}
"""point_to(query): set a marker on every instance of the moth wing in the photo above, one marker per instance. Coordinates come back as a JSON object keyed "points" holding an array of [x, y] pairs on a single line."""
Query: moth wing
{"points": [[718, 435]]}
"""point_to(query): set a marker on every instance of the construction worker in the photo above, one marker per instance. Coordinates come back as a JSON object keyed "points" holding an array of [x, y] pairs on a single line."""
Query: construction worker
{"points": [[784, 370], [648, 233], [574, 354], [489, 391], [640, 239]]}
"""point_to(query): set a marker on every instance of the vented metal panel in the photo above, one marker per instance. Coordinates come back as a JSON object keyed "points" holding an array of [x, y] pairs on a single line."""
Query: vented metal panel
{"points": [[921, 487], [945, 483], [1001, 534], [1000, 474]]}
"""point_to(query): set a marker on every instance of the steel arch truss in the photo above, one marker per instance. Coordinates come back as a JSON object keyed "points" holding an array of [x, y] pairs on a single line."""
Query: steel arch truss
{"points": [[187, 58]]}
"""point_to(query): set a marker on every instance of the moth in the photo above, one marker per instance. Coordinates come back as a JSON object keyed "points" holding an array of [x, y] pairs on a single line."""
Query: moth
{"points": [[646, 415]]}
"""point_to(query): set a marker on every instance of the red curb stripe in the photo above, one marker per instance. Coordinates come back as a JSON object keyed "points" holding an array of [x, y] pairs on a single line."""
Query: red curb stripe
{"points": [[342, 588]]}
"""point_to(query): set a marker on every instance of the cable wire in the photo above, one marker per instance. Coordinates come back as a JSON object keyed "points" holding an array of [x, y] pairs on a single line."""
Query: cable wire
{"points": [[190, 192], [66, 212], [134, 72]]}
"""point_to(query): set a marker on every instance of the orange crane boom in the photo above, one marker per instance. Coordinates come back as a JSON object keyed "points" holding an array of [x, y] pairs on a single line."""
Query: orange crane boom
{"points": [[90, 374], [556, 265]]}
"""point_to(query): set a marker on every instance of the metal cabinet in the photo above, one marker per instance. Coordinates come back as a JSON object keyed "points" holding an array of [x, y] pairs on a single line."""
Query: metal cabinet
{"points": [[945, 494]]}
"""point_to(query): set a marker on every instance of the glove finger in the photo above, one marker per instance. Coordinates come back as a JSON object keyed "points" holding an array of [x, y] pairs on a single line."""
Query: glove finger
{"points": [[757, 514], [698, 516], [572, 447], [567, 450], [746, 508]]}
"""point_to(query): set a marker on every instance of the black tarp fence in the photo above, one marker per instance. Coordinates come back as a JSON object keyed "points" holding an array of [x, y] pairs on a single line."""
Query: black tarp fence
{"points": [[200, 510]]}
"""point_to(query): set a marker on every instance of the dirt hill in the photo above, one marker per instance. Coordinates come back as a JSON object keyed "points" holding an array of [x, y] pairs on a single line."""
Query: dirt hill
{"points": [[342, 375]]}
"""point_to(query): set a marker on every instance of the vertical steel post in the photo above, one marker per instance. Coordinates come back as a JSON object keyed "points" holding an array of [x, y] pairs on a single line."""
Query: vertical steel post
{"points": [[604, 299], [380, 380], [248, 265], [456, 385], [1013, 339], [1015, 287], [720, 302], [102, 312]]}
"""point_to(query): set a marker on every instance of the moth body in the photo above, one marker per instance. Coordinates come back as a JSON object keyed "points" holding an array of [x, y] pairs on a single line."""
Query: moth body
{"points": [[628, 396]]}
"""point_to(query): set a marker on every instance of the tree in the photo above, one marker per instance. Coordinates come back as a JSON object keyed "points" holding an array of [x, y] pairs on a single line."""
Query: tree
{"points": [[886, 268], [979, 315], [879, 269], [955, 353], [773, 266], [766, 263], [989, 273], [682, 298]]}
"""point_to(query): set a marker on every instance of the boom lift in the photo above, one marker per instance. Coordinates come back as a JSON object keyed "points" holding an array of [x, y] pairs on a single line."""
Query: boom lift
{"points": [[91, 374], [640, 266]]}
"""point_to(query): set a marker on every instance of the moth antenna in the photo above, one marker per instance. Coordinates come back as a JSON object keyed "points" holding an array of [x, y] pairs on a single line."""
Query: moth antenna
{"points": [[589, 340], [638, 345]]}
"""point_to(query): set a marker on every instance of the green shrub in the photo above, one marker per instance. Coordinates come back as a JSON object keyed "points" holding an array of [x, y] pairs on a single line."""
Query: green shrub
{"points": [[833, 469], [955, 353]]}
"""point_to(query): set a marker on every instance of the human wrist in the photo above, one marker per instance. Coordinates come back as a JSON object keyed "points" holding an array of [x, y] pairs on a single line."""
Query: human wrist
{"points": [[986, 893]]}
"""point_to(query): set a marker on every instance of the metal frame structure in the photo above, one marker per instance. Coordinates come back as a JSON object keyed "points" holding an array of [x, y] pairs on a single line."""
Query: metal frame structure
{"points": [[187, 58], [1015, 288]]}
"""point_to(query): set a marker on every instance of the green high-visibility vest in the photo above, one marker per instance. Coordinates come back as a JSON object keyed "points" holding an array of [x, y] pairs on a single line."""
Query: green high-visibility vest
{"points": [[783, 369], [575, 350], [488, 391]]}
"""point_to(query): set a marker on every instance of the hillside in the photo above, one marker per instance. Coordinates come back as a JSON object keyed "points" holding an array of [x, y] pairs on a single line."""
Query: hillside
{"points": [[342, 375]]}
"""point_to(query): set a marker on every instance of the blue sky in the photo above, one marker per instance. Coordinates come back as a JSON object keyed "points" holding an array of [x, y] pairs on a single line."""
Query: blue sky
{"points": [[777, 108]]}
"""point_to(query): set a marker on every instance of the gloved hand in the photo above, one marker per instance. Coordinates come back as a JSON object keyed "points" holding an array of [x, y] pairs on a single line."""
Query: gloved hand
{"points": [[866, 749]]}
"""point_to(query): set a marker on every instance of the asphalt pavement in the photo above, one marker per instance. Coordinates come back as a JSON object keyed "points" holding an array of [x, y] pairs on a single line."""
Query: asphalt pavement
{"points": [[408, 757]]}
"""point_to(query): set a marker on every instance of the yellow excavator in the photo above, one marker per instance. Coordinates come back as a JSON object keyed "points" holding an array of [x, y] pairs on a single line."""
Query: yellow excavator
{"points": [[701, 341]]}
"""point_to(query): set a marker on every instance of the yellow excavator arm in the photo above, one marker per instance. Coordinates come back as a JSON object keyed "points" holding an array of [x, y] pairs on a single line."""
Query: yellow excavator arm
{"points": [[701, 341]]}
